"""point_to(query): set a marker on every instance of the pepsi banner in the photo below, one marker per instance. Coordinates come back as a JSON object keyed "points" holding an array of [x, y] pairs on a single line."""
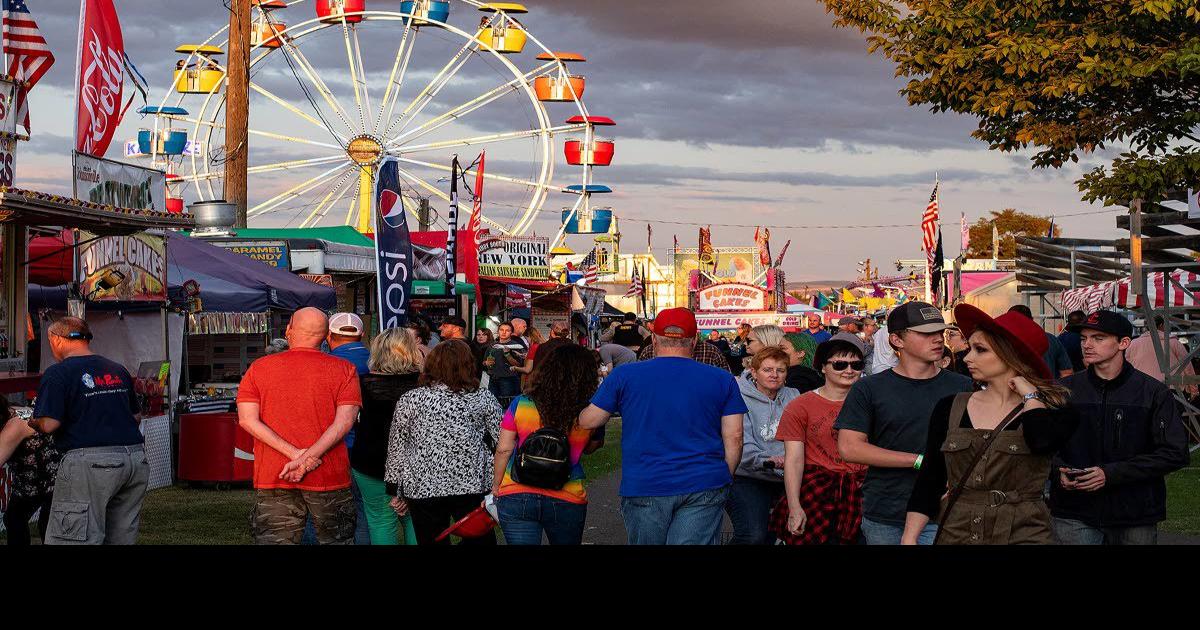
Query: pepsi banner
{"points": [[393, 248]]}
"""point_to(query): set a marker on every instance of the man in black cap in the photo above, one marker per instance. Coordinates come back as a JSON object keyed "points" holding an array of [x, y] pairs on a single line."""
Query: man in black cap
{"points": [[1110, 488], [885, 420], [453, 328]]}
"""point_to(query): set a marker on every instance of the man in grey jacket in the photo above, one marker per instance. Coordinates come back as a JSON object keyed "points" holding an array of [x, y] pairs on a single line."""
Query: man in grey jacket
{"points": [[758, 480]]}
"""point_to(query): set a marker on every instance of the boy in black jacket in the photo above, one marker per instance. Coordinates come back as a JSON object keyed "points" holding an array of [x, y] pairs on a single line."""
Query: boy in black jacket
{"points": [[1110, 487]]}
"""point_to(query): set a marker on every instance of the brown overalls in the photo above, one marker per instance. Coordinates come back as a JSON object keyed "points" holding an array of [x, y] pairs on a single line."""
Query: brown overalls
{"points": [[1001, 503]]}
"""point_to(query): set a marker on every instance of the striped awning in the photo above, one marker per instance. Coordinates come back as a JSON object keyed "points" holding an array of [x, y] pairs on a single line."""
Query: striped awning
{"points": [[1162, 288]]}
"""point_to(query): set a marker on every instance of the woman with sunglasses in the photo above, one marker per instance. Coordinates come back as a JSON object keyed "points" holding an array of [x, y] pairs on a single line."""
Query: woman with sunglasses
{"points": [[988, 453], [822, 502]]}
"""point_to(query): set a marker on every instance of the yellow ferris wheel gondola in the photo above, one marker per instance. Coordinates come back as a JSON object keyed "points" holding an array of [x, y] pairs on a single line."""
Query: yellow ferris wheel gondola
{"points": [[501, 31]]}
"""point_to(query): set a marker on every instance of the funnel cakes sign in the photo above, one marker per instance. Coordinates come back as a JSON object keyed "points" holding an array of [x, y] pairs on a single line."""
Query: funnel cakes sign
{"points": [[123, 268], [731, 297]]}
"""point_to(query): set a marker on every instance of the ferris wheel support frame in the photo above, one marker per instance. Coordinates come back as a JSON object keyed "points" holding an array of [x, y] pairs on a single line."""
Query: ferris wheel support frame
{"points": [[290, 35]]}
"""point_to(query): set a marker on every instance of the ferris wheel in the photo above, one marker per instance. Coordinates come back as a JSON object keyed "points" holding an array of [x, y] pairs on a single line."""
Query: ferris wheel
{"points": [[335, 87]]}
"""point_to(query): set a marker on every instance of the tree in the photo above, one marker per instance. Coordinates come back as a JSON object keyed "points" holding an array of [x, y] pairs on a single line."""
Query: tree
{"points": [[1010, 224], [1064, 76]]}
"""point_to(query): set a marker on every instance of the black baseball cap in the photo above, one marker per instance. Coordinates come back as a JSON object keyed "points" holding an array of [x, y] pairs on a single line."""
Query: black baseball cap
{"points": [[1107, 322], [921, 317], [456, 321]]}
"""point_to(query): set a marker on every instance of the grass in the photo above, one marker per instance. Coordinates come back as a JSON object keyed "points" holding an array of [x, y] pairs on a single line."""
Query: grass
{"points": [[1183, 499], [608, 459]]}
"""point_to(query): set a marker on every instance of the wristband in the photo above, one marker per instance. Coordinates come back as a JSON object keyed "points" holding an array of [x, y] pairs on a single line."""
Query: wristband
{"points": [[917, 464]]}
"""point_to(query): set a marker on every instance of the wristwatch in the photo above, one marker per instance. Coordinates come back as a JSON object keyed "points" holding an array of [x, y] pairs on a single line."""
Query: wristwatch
{"points": [[1032, 396]]}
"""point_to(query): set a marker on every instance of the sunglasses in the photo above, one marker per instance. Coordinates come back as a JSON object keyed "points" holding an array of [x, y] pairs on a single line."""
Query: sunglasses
{"points": [[838, 366]]}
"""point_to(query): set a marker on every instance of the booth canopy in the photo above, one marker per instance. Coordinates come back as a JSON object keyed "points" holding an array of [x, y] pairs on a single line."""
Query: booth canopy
{"points": [[228, 282], [344, 234], [1161, 288]]}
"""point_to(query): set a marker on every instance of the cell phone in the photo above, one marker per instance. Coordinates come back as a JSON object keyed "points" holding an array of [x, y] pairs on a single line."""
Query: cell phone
{"points": [[1073, 473]]}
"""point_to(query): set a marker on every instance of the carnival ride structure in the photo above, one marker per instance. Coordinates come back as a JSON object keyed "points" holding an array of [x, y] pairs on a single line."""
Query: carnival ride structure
{"points": [[329, 80]]}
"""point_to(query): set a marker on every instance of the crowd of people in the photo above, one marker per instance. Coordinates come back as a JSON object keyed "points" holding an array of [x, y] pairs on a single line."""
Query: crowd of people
{"points": [[985, 431]]}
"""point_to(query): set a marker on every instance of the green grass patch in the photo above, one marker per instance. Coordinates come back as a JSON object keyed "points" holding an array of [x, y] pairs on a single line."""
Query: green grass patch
{"points": [[1183, 499], [607, 460], [196, 516]]}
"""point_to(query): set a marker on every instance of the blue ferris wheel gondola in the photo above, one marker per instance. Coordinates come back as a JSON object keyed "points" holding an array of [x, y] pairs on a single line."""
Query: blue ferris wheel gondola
{"points": [[588, 220], [590, 189], [162, 111], [435, 10]]}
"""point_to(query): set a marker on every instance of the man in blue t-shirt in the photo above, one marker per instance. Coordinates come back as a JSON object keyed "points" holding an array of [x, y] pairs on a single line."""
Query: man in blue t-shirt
{"points": [[345, 342], [681, 437], [88, 403]]}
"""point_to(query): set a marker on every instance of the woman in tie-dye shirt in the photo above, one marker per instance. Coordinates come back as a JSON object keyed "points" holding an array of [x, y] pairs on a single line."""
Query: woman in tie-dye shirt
{"points": [[560, 387]]}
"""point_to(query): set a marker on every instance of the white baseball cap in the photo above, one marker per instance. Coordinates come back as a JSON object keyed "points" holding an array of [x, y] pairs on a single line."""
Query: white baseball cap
{"points": [[347, 324]]}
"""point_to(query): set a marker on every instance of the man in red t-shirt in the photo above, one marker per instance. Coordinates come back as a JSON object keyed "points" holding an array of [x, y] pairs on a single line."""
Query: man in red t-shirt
{"points": [[298, 405]]}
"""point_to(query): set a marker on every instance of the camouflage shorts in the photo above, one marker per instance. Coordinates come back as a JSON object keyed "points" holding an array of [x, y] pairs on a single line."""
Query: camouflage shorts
{"points": [[278, 516]]}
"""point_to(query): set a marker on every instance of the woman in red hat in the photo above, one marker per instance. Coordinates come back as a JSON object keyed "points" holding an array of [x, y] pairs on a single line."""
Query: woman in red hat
{"points": [[988, 452]]}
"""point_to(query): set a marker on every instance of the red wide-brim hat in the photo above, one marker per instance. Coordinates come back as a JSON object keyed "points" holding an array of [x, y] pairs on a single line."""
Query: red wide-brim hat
{"points": [[1023, 333], [473, 525]]}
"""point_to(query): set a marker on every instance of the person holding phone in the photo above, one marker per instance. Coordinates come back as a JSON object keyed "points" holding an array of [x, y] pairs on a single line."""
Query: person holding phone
{"points": [[1111, 483], [988, 453]]}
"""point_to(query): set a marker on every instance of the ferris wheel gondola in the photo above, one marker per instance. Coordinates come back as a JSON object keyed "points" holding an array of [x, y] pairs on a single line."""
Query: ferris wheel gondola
{"points": [[316, 134]]}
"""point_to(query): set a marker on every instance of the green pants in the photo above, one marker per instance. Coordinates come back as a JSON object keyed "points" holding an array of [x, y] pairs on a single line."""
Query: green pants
{"points": [[384, 525]]}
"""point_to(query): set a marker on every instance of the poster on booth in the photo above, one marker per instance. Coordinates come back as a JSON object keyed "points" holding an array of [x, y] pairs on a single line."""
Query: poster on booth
{"points": [[543, 319], [129, 268], [8, 107], [270, 253], [107, 182], [732, 321], [8, 160], [732, 297], [515, 258]]}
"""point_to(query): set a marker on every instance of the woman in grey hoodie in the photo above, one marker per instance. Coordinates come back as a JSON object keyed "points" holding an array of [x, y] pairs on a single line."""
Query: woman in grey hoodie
{"points": [[758, 480]]}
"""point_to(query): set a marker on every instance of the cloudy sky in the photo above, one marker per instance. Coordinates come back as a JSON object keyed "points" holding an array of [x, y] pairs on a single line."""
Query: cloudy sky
{"points": [[730, 114]]}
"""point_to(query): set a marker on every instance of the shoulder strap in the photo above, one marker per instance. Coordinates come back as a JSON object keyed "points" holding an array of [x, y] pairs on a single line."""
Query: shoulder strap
{"points": [[957, 410], [956, 491]]}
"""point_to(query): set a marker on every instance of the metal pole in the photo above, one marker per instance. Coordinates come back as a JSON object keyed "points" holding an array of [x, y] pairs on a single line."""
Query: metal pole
{"points": [[237, 107]]}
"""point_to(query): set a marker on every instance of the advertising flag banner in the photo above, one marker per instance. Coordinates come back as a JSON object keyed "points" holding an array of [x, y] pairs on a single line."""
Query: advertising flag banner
{"points": [[452, 234], [100, 77], [393, 247]]}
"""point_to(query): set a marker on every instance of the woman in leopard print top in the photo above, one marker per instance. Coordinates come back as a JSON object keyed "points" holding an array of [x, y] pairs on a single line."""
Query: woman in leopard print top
{"points": [[440, 448]]}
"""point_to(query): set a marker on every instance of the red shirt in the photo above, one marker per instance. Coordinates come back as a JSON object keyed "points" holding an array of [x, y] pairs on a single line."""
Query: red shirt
{"points": [[809, 419], [298, 392]]}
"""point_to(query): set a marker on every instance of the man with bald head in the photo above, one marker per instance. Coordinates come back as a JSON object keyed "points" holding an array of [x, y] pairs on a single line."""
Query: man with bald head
{"points": [[298, 405], [88, 403]]}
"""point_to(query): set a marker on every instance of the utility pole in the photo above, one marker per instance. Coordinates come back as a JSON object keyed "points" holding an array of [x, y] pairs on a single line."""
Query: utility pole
{"points": [[237, 107], [423, 219]]}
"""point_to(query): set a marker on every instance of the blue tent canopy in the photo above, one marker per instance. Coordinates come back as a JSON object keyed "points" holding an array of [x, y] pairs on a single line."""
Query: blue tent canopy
{"points": [[228, 282]]}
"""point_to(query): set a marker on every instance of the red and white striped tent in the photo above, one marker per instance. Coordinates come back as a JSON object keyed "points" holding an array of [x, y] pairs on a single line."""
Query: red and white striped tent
{"points": [[1119, 294]]}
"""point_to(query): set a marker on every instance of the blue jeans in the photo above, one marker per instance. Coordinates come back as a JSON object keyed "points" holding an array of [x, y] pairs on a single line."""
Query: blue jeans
{"points": [[524, 516], [749, 507], [1072, 532], [876, 533], [362, 533], [505, 388], [684, 519]]}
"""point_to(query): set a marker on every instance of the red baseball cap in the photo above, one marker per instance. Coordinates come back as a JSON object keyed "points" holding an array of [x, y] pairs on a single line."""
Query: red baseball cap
{"points": [[475, 524], [678, 323]]}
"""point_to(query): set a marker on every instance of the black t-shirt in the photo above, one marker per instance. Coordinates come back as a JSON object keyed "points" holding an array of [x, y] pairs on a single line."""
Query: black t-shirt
{"points": [[94, 400], [894, 412]]}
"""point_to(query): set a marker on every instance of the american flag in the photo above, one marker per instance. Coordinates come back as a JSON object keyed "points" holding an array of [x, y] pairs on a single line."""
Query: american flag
{"points": [[29, 58], [635, 285], [591, 270], [929, 226]]}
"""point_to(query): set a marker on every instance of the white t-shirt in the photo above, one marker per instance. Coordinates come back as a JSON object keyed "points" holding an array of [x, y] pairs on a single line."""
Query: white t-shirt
{"points": [[883, 358]]}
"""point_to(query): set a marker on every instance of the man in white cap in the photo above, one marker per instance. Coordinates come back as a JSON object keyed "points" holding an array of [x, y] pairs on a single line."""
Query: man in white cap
{"points": [[345, 340]]}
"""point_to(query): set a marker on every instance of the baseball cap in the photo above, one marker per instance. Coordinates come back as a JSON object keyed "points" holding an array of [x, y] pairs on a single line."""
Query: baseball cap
{"points": [[849, 319], [921, 317], [456, 321], [347, 324], [1107, 322], [678, 323], [851, 339]]}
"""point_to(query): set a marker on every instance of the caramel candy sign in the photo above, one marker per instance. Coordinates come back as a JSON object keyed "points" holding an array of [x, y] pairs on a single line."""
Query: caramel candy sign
{"points": [[733, 296]]}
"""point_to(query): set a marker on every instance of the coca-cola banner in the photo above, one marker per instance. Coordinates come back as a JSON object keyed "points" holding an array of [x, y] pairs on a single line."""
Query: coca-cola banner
{"points": [[101, 75]]}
